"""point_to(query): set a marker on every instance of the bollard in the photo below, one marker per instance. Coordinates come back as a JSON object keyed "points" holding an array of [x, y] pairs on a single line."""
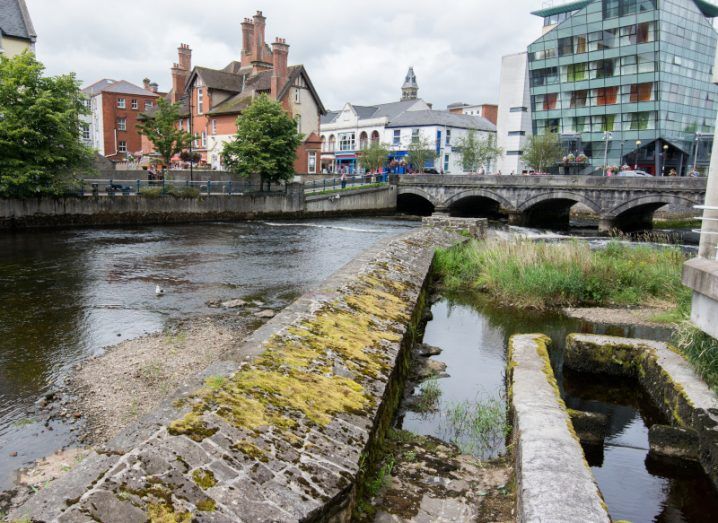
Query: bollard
{"points": [[229, 187], [209, 185]]}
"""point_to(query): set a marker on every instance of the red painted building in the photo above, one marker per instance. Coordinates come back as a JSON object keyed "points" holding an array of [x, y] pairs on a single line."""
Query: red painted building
{"points": [[111, 128], [212, 99]]}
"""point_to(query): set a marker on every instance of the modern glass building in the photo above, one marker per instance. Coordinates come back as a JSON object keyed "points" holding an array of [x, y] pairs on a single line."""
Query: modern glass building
{"points": [[628, 81]]}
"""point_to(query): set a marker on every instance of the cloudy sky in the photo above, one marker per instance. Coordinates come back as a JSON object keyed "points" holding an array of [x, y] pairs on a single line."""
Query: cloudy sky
{"points": [[355, 51]]}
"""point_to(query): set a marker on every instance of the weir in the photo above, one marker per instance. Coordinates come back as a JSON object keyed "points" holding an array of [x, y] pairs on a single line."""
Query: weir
{"points": [[284, 429]]}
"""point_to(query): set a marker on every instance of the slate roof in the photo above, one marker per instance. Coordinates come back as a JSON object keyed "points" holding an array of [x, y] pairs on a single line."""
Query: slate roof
{"points": [[15, 20], [443, 118], [120, 87], [366, 112], [222, 80]]}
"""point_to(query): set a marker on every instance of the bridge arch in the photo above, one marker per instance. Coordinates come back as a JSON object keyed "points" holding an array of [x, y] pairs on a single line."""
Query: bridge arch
{"points": [[552, 208], [477, 203], [637, 213], [412, 200]]}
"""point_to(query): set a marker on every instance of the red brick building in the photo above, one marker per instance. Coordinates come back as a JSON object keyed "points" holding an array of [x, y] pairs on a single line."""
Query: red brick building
{"points": [[111, 128], [214, 98]]}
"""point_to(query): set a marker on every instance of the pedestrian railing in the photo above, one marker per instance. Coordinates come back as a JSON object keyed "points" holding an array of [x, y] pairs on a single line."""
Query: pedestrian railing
{"points": [[184, 188], [334, 184]]}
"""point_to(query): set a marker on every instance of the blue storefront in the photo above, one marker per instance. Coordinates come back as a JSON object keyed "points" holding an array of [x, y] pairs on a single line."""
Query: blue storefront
{"points": [[346, 161]]}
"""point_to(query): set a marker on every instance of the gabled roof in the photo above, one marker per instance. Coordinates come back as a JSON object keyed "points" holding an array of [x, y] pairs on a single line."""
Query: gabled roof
{"points": [[15, 20], [216, 79], [443, 118], [97, 87], [367, 112], [708, 9], [120, 87]]}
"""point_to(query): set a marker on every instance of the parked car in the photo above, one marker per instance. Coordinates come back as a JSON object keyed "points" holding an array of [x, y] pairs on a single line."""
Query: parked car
{"points": [[633, 173]]}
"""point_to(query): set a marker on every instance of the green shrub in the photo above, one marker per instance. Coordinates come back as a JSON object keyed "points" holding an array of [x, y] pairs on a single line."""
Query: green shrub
{"points": [[700, 349]]}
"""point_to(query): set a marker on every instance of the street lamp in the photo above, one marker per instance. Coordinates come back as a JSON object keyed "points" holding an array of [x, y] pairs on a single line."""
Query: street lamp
{"points": [[606, 137], [188, 99], [638, 146], [665, 151], [695, 154]]}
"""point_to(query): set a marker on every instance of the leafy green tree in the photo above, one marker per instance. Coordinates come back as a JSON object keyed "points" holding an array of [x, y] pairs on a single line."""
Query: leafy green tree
{"points": [[542, 151], [374, 157], [40, 148], [419, 152], [160, 128], [476, 151], [265, 144]]}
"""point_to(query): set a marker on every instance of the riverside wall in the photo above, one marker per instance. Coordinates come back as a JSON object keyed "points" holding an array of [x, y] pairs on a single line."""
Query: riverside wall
{"points": [[284, 429], [145, 209]]}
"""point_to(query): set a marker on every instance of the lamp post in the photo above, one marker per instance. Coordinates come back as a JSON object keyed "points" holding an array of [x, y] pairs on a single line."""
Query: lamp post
{"points": [[635, 163], [695, 153], [188, 98], [606, 137], [665, 152]]}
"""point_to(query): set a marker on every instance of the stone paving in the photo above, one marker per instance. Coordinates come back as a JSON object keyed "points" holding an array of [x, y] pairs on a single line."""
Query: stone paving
{"points": [[280, 435]]}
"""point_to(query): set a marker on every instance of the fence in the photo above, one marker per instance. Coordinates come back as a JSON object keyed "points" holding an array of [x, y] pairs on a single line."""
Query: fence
{"points": [[333, 184], [112, 187]]}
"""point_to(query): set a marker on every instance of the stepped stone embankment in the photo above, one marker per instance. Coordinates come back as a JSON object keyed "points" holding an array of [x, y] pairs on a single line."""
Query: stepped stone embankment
{"points": [[283, 432]]}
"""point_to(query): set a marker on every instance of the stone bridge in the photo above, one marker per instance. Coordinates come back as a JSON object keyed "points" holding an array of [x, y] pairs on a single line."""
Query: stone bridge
{"points": [[622, 203]]}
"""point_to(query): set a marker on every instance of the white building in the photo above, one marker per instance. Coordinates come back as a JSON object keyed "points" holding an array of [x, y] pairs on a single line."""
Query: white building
{"points": [[346, 132], [513, 126]]}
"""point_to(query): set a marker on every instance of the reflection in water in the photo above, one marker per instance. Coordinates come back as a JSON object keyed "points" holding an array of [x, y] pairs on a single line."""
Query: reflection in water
{"points": [[473, 334], [64, 295]]}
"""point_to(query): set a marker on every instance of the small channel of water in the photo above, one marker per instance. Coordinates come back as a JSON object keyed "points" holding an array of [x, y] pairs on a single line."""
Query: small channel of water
{"points": [[474, 333]]}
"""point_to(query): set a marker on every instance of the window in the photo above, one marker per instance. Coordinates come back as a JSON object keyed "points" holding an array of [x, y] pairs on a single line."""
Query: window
{"points": [[549, 101], [646, 63], [332, 143], [446, 163], [448, 137], [122, 146], [297, 95], [638, 93], [518, 109], [603, 123], [578, 99], [87, 103], [299, 123], [204, 138], [214, 126], [120, 103], [200, 100], [148, 105], [546, 76], [397, 137], [414, 135], [122, 124], [577, 72], [85, 131], [514, 153], [134, 104], [600, 40], [603, 68], [547, 126], [517, 133], [312, 159], [347, 142], [607, 96], [639, 121]]}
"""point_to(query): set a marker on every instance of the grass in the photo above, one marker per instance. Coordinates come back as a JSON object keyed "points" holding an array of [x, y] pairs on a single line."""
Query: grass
{"points": [[700, 349], [538, 275], [476, 427], [428, 397], [677, 223], [350, 188]]}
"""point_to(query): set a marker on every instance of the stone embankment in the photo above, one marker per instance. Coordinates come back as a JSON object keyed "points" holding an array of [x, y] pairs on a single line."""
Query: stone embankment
{"points": [[669, 379], [282, 431], [553, 480]]}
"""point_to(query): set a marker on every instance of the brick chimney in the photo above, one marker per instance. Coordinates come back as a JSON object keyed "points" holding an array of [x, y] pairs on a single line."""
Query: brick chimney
{"points": [[260, 22], [247, 42], [180, 71], [154, 87], [146, 84], [280, 52]]}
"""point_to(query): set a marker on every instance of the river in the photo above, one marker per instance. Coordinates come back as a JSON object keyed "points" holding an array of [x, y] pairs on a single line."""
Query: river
{"points": [[67, 294]]}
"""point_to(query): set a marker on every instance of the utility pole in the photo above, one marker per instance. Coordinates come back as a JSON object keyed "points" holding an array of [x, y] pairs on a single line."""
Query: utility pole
{"points": [[606, 136]]}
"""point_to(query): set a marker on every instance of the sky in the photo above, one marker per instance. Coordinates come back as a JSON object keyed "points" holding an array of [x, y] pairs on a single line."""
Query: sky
{"points": [[354, 51]]}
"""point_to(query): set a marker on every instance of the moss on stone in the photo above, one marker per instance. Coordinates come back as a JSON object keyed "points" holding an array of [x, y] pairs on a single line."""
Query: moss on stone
{"points": [[204, 478], [162, 513], [250, 450], [207, 505], [192, 426]]}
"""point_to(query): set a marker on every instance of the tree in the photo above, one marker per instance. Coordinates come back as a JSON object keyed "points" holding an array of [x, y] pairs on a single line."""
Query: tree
{"points": [[40, 148], [476, 151], [374, 157], [265, 144], [161, 128], [542, 151], [420, 151]]}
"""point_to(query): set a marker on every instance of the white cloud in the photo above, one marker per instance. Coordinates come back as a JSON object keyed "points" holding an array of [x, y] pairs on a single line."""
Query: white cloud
{"points": [[355, 51]]}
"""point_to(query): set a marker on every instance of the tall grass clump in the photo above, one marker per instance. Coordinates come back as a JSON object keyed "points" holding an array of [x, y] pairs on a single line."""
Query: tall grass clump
{"points": [[700, 349], [539, 275]]}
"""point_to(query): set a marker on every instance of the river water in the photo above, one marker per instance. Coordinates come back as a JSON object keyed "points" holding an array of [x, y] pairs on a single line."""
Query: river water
{"points": [[64, 295]]}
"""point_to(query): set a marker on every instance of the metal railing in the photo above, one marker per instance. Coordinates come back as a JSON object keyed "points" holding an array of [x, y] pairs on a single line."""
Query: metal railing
{"points": [[335, 184], [123, 187]]}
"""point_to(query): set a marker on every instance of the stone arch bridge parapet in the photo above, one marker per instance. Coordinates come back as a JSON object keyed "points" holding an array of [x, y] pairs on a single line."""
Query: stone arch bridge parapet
{"points": [[533, 199]]}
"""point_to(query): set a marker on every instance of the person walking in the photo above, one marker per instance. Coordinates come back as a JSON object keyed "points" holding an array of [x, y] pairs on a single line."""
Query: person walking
{"points": [[343, 178]]}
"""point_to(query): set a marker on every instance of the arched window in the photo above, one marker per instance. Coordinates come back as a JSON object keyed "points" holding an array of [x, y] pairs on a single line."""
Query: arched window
{"points": [[324, 143], [375, 137], [363, 140], [332, 143]]}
